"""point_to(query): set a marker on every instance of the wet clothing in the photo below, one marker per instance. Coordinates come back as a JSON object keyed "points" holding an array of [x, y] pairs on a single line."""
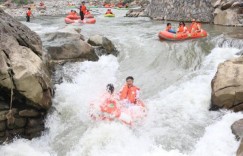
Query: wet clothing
{"points": [[129, 93], [83, 10]]}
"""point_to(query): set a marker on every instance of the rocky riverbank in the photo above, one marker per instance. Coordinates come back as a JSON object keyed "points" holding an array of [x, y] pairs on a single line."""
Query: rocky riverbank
{"points": [[221, 12], [227, 85]]}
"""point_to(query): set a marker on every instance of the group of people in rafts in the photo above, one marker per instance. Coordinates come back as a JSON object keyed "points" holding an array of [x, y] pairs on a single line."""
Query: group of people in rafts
{"points": [[195, 27], [84, 12]]}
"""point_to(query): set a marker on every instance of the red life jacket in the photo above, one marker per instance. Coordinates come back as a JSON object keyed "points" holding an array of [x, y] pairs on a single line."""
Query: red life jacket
{"points": [[83, 8], [28, 13], [129, 93]]}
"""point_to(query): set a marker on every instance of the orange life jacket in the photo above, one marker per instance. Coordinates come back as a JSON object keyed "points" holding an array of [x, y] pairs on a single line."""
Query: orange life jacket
{"points": [[129, 93], [181, 29], [28, 13], [194, 26], [83, 8]]}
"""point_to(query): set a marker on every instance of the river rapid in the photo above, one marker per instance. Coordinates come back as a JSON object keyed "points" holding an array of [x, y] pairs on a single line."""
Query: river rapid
{"points": [[175, 82]]}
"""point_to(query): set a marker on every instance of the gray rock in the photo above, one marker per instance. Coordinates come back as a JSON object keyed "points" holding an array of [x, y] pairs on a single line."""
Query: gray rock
{"points": [[20, 32], [227, 85], [3, 115], [105, 44], [37, 129], [29, 113], [2, 125], [18, 123], [35, 122], [237, 128], [68, 46]]}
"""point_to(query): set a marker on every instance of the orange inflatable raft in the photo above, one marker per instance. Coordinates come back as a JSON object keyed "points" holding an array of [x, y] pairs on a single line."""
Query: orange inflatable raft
{"points": [[110, 109], [88, 16], [165, 35], [76, 19]]}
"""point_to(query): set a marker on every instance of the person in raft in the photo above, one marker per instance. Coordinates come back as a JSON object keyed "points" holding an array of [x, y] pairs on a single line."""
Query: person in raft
{"points": [[42, 4], [169, 28], [195, 27], [87, 12], [109, 11], [83, 10], [28, 14], [129, 93], [182, 28]]}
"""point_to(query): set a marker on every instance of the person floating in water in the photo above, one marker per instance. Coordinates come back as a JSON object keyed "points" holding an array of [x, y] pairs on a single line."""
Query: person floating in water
{"points": [[109, 11], [28, 14], [129, 92], [83, 10], [169, 28]]}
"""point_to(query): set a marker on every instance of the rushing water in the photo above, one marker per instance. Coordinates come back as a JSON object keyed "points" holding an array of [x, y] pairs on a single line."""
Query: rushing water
{"points": [[175, 81]]}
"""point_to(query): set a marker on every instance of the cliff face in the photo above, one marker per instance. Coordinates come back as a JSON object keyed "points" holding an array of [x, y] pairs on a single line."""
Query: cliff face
{"points": [[181, 10], [222, 12]]}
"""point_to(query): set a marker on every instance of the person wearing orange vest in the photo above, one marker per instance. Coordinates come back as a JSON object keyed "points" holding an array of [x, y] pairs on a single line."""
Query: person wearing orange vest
{"points": [[129, 92], [195, 27], [83, 10], [169, 28], [109, 11], [182, 28], [28, 14]]}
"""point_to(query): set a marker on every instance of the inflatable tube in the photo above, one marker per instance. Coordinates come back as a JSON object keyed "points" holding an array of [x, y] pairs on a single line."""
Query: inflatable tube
{"points": [[89, 21], [181, 36], [85, 21], [89, 16], [109, 15], [110, 109], [73, 17], [107, 6]]}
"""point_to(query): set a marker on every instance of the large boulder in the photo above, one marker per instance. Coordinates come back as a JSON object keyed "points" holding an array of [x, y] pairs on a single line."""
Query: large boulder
{"points": [[25, 82], [228, 12], [21, 62], [104, 45], [227, 85], [68, 44], [21, 69]]}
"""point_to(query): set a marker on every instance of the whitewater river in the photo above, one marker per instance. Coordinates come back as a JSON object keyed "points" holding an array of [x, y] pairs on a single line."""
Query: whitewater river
{"points": [[175, 80]]}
